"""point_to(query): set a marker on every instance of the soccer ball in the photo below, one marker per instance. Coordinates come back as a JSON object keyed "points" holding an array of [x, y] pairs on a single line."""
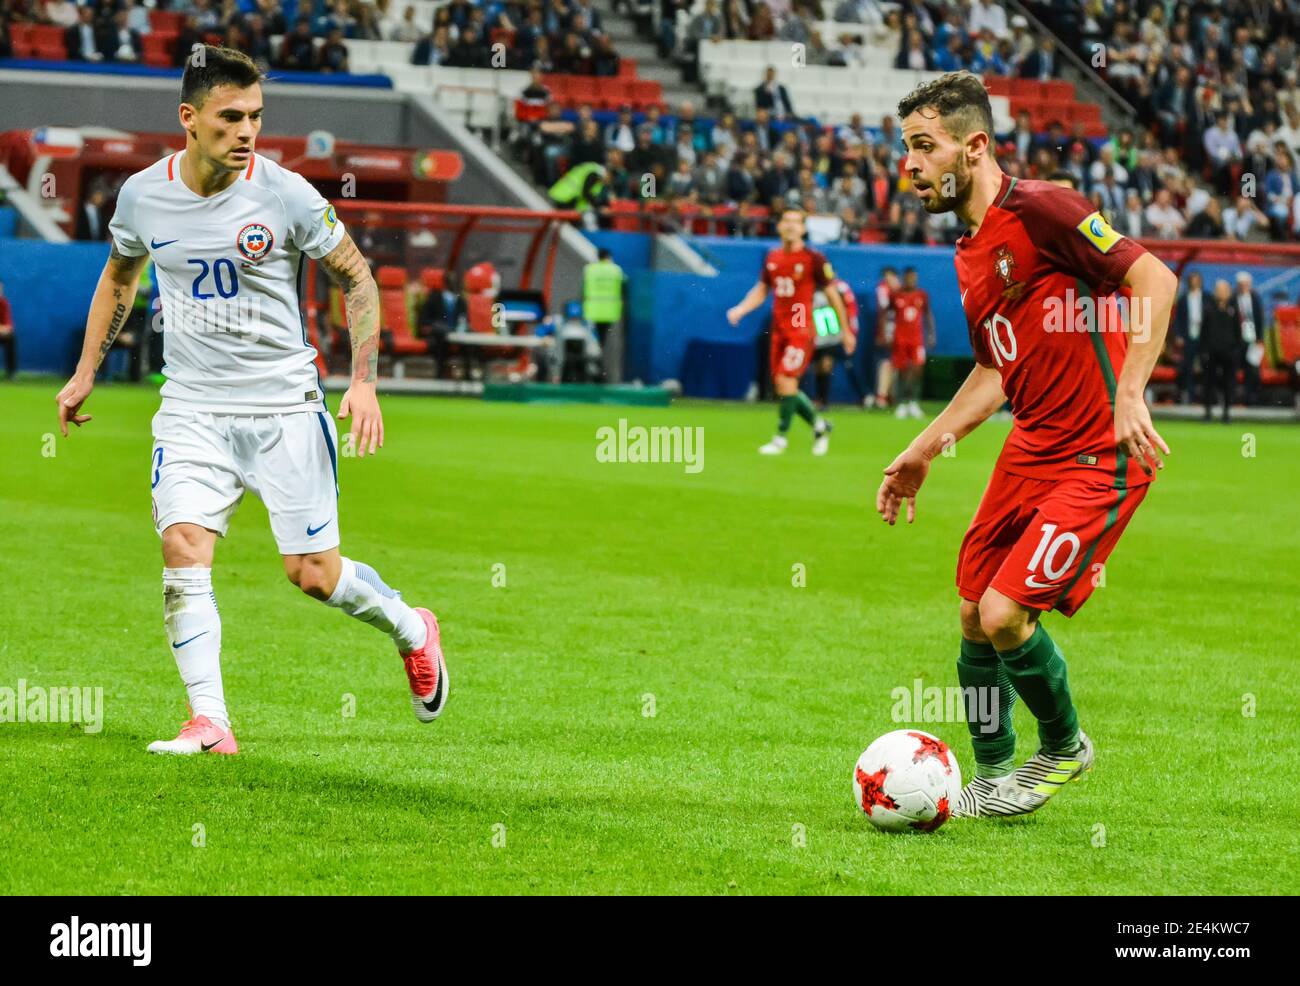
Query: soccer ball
{"points": [[907, 779]]}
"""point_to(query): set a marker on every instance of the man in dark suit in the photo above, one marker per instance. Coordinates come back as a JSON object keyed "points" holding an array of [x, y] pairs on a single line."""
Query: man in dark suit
{"points": [[92, 223], [772, 95], [1042, 63], [120, 42], [84, 39], [1250, 316], [1220, 347], [1189, 316]]}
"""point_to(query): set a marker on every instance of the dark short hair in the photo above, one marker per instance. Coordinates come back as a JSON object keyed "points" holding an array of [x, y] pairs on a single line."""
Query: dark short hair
{"points": [[888, 270], [959, 98], [220, 67], [908, 270], [1065, 176], [603, 254]]}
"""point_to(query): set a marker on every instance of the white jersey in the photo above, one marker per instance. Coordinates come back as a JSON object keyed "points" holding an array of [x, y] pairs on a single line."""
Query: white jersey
{"points": [[229, 271]]}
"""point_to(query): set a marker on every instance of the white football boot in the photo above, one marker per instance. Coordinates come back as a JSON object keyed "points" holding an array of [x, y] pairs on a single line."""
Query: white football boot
{"points": [[822, 437], [776, 446]]}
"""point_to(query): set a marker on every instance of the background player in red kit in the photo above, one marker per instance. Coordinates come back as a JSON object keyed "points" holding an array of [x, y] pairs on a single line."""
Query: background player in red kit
{"points": [[889, 283], [793, 272], [1080, 456], [913, 331]]}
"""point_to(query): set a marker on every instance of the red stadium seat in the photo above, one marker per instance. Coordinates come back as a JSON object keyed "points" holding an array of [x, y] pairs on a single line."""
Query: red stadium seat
{"points": [[393, 312], [433, 279], [166, 20], [158, 48], [627, 68], [623, 215]]}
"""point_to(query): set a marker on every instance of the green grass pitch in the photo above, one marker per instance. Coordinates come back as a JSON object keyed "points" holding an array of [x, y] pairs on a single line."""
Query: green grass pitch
{"points": [[631, 589]]}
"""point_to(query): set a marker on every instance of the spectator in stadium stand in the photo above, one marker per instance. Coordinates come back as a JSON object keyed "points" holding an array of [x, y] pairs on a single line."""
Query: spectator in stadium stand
{"points": [[432, 49], [1243, 221], [915, 53], [741, 185], [621, 134], [1223, 148], [1250, 316], [1131, 219], [605, 60], [1280, 187], [1208, 223], [61, 13], [333, 55], [647, 158], [711, 179], [762, 27], [83, 40], [551, 142], [407, 30], [8, 338], [772, 96], [121, 43], [297, 51], [255, 43], [1042, 63], [617, 176], [1219, 349], [1165, 219], [1189, 314], [909, 230], [587, 144]]}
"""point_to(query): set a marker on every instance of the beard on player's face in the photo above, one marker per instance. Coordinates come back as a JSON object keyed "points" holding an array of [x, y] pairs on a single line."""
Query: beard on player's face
{"points": [[956, 176]]}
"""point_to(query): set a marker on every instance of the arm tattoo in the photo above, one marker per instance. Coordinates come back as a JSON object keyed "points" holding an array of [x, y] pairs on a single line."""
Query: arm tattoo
{"points": [[115, 323], [348, 269]]}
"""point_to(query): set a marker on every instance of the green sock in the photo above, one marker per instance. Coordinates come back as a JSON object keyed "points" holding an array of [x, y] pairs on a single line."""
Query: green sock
{"points": [[1037, 670], [804, 407], [785, 414], [984, 681]]}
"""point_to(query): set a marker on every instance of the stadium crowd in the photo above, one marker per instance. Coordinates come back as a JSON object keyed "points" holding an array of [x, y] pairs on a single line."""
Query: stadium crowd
{"points": [[1218, 158], [561, 35]]}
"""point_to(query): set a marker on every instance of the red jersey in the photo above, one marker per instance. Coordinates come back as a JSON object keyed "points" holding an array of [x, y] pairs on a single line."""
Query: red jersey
{"points": [[884, 313], [793, 277], [910, 306], [1030, 279]]}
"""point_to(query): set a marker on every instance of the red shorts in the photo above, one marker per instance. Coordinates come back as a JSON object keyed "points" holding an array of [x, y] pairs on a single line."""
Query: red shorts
{"points": [[907, 355], [792, 352], [1043, 542]]}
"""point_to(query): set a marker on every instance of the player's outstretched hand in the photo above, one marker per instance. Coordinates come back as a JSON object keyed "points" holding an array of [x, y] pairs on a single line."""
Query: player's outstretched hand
{"points": [[733, 316], [70, 399], [362, 404], [903, 479], [1136, 435]]}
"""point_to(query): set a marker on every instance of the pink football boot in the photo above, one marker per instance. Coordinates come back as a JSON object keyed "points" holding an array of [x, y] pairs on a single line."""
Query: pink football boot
{"points": [[426, 670], [198, 735]]}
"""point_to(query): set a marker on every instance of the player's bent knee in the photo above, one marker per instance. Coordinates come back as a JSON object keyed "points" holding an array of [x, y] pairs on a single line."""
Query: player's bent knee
{"points": [[312, 574], [1001, 617], [187, 546], [971, 627]]}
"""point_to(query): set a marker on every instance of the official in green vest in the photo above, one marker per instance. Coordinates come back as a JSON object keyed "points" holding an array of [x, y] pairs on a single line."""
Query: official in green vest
{"points": [[602, 300], [581, 187]]}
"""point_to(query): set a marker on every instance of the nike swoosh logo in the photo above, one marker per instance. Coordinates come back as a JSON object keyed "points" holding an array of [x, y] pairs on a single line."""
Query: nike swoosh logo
{"points": [[155, 245], [1033, 583], [312, 533], [208, 746], [436, 699], [184, 642]]}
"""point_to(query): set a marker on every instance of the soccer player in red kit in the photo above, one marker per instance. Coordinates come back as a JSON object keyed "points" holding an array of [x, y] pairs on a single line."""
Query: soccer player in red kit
{"points": [[793, 272], [1081, 454], [885, 336], [913, 331]]}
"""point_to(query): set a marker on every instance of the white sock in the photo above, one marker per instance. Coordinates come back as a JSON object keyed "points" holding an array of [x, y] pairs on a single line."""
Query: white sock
{"points": [[362, 594], [194, 631]]}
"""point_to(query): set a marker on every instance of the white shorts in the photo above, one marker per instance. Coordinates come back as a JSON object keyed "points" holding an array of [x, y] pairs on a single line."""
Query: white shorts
{"points": [[202, 464]]}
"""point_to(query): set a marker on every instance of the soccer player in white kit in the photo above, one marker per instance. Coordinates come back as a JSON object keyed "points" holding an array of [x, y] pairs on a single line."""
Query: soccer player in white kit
{"points": [[243, 407]]}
